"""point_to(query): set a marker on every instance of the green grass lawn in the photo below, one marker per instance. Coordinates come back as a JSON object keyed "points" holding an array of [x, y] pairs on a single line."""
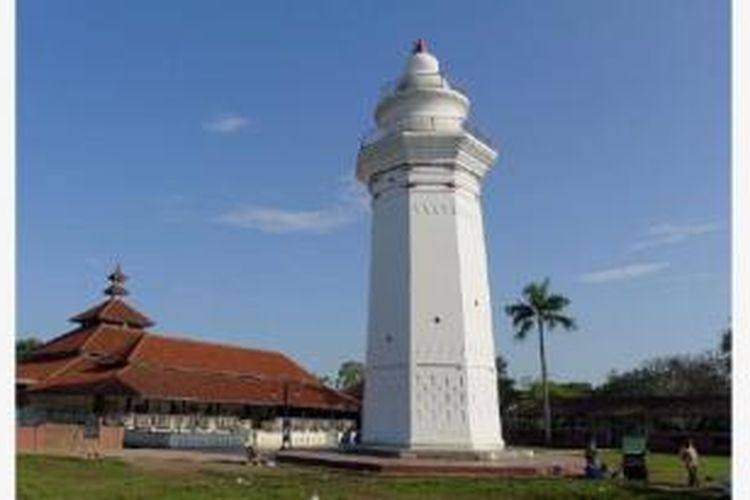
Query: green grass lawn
{"points": [[668, 469], [46, 477]]}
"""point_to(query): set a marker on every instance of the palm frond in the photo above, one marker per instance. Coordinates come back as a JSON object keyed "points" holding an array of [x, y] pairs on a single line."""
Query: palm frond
{"points": [[523, 329], [566, 322], [530, 289], [538, 305], [556, 302], [536, 294], [519, 312]]}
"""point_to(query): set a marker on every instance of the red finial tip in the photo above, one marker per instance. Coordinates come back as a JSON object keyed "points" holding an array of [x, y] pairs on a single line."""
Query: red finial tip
{"points": [[420, 46]]}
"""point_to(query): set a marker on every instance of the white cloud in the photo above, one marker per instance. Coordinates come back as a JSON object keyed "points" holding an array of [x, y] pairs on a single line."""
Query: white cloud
{"points": [[276, 220], [690, 277], [353, 193], [622, 273], [667, 234], [353, 201], [226, 124]]}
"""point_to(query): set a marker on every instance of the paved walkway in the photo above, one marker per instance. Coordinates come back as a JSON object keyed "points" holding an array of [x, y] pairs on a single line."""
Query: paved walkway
{"points": [[222, 456], [512, 463]]}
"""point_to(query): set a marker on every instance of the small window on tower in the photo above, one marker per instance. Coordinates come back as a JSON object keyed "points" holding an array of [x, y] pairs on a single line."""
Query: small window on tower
{"points": [[437, 319]]}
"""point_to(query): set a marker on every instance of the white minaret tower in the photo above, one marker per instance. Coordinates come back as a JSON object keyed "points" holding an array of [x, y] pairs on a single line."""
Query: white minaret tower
{"points": [[430, 371]]}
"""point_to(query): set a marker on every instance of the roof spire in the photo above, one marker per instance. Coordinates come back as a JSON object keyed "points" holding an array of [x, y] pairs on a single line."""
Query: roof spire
{"points": [[419, 46], [117, 281]]}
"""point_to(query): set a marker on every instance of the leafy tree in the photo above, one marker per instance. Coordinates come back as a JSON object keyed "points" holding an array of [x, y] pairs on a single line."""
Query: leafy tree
{"points": [[726, 341], [686, 375], [680, 375], [349, 374], [725, 350], [544, 310], [506, 387], [326, 380], [559, 390], [25, 346]]}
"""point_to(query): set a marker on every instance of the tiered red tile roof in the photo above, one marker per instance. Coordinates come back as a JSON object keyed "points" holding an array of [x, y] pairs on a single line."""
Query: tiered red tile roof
{"points": [[113, 311], [112, 353]]}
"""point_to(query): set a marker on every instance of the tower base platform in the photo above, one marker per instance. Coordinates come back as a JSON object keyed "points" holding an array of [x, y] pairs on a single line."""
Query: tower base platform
{"points": [[507, 463], [431, 453]]}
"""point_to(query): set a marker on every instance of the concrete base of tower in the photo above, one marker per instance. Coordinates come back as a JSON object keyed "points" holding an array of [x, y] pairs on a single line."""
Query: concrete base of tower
{"points": [[397, 461], [433, 452]]}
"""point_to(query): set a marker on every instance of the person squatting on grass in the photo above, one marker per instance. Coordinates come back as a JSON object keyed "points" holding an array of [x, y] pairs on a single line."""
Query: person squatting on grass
{"points": [[595, 467]]}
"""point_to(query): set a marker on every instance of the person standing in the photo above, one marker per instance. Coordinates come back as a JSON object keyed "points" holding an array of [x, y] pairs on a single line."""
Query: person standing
{"points": [[689, 457], [286, 434], [251, 447]]}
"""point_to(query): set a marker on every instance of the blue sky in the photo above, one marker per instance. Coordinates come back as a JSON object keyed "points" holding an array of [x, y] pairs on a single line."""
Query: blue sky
{"points": [[210, 147]]}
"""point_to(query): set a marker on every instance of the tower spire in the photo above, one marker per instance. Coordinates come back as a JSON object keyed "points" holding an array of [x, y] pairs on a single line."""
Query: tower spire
{"points": [[117, 279], [419, 46]]}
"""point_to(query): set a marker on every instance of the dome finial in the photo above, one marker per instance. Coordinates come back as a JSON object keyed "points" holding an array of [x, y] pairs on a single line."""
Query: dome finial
{"points": [[420, 46], [117, 283]]}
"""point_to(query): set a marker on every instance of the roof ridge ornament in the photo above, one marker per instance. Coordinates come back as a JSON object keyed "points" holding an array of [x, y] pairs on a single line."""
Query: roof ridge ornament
{"points": [[117, 280]]}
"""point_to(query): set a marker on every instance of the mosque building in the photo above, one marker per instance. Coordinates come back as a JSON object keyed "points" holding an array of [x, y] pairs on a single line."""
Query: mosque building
{"points": [[153, 386]]}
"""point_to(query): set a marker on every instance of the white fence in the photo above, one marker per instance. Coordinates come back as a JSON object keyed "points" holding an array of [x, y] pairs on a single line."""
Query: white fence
{"points": [[260, 440], [271, 440], [145, 439]]}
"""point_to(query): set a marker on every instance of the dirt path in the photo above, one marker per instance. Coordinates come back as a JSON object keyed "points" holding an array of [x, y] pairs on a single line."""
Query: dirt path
{"points": [[181, 462]]}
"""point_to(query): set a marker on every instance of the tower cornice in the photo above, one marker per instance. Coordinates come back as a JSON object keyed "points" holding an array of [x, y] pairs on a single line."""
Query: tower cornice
{"points": [[457, 149]]}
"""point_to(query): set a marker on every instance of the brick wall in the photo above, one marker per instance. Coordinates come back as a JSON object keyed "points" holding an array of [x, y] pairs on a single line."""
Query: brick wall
{"points": [[66, 438]]}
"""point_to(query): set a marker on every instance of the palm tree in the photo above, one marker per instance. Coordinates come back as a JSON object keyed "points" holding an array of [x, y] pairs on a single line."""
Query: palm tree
{"points": [[544, 310]]}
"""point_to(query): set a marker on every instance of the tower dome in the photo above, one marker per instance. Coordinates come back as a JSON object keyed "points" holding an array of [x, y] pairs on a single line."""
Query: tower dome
{"points": [[421, 61], [422, 98]]}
